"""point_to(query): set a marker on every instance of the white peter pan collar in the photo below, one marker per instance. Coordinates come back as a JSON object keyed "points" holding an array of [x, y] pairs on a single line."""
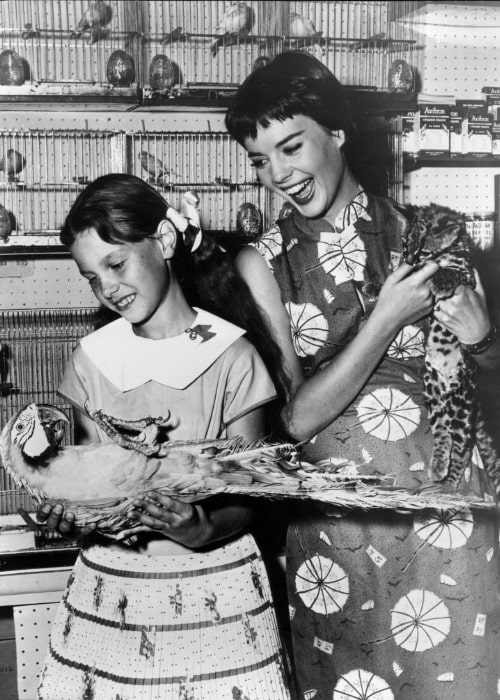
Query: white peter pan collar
{"points": [[129, 361]]}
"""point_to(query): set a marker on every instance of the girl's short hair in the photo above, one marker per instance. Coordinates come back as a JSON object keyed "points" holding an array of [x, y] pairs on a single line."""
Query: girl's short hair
{"points": [[121, 208], [292, 83]]}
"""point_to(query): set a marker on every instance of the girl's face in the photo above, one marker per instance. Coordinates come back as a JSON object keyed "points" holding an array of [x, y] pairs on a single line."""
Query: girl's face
{"points": [[131, 279], [303, 162]]}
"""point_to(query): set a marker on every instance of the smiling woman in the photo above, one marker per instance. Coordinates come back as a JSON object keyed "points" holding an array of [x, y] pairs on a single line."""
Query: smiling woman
{"points": [[352, 317]]}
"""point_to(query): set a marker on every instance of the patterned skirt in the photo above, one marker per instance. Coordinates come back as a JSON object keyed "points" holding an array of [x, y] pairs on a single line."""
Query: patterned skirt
{"points": [[199, 626]]}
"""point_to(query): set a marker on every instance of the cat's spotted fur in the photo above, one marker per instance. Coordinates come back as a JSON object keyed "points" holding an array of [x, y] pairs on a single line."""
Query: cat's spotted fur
{"points": [[450, 377]]}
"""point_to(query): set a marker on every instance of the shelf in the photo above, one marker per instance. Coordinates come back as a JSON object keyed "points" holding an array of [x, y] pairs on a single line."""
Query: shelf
{"points": [[411, 164]]}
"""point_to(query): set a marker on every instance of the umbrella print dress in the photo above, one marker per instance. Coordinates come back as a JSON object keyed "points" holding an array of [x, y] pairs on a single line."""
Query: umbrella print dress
{"points": [[383, 604]]}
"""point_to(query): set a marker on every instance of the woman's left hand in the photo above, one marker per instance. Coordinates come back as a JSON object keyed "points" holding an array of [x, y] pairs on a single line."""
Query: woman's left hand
{"points": [[183, 522], [465, 313]]}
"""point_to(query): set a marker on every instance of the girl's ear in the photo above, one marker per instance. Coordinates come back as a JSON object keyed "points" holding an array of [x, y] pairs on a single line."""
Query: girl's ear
{"points": [[166, 235]]}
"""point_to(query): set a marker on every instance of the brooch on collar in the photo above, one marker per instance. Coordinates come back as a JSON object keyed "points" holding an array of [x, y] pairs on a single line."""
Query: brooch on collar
{"points": [[200, 330]]}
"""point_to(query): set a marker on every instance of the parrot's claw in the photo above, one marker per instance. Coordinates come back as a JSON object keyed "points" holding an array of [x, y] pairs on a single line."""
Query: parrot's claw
{"points": [[143, 435]]}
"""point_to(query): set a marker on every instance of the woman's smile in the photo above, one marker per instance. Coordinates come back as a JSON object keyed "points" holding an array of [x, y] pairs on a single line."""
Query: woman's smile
{"points": [[303, 162]]}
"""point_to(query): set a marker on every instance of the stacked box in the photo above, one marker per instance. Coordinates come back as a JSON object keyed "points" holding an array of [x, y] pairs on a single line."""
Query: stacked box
{"points": [[457, 132], [410, 125], [434, 130], [477, 124]]}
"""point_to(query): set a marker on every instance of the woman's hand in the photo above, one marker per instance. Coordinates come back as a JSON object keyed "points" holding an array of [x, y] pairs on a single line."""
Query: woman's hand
{"points": [[54, 517], [406, 296], [183, 522], [465, 313]]}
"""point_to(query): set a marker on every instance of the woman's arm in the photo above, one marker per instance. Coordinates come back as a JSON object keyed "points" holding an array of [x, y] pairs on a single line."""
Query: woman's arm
{"points": [[314, 403], [466, 315], [216, 519]]}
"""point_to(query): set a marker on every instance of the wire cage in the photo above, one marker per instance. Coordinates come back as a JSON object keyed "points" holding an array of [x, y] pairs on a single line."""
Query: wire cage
{"points": [[210, 163], [83, 47], [41, 173], [35, 346], [215, 45]]}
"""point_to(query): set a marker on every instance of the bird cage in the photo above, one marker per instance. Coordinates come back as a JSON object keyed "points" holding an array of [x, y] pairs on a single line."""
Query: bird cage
{"points": [[35, 346], [42, 172], [84, 48], [210, 163], [211, 47]]}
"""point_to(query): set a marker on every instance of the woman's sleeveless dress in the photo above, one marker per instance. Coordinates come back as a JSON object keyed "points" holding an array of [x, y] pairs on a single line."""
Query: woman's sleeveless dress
{"points": [[383, 605]]}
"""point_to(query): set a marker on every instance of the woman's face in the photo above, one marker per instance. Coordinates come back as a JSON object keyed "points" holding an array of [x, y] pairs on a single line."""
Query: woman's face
{"points": [[303, 162], [131, 279]]}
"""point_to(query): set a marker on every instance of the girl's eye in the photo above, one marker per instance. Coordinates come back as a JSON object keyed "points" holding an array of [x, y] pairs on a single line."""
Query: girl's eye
{"points": [[257, 164], [117, 265]]}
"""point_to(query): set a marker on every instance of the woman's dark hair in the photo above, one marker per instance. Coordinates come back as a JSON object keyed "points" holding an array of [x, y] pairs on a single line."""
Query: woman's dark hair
{"points": [[293, 83], [125, 209]]}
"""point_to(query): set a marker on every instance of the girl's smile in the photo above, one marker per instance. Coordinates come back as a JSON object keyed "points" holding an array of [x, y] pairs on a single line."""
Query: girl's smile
{"points": [[303, 162], [132, 279]]}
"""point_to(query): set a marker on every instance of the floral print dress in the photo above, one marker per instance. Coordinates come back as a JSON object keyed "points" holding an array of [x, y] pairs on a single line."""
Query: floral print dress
{"points": [[384, 605]]}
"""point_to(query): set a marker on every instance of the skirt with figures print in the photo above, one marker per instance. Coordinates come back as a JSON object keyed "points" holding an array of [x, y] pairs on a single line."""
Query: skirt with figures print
{"points": [[200, 626]]}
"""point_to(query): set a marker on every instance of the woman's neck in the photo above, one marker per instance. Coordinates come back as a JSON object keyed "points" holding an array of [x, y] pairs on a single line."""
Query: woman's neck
{"points": [[348, 188]]}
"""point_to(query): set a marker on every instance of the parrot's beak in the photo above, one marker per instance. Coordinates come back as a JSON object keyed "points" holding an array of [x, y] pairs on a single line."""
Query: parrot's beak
{"points": [[42, 437]]}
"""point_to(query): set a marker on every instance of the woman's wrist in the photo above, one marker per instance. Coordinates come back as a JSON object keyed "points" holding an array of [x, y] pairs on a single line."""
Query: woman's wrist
{"points": [[482, 345]]}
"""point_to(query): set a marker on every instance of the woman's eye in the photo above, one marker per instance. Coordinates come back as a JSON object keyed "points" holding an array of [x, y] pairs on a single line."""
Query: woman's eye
{"points": [[290, 150], [117, 265]]}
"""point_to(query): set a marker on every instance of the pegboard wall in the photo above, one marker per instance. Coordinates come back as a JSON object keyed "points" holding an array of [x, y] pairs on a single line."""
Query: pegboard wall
{"points": [[459, 59]]}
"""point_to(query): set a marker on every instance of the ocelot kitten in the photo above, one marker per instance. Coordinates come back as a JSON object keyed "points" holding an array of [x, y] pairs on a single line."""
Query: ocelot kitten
{"points": [[450, 376]]}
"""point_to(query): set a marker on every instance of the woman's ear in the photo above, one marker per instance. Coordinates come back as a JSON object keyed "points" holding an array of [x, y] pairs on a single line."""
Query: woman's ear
{"points": [[166, 235], [339, 135]]}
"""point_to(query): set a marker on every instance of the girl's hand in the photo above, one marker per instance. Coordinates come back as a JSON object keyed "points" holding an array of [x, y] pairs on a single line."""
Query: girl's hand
{"points": [[183, 522], [56, 518], [465, 313], [405, 296]]}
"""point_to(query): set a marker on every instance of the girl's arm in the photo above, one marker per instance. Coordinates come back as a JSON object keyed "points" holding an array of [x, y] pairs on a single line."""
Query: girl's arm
{"points": [[199, 525], [315, 402]]}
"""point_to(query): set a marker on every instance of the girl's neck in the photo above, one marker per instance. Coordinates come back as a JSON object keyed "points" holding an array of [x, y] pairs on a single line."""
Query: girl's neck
{"points": [[173, 317]]}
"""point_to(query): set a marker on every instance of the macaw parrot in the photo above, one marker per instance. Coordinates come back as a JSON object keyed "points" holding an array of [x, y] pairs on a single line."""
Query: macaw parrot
{"points": [[99, 482], [236, 22]]}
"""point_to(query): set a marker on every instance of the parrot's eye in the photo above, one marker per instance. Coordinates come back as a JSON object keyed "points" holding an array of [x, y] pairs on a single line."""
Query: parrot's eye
{"points": [[19, 426]]}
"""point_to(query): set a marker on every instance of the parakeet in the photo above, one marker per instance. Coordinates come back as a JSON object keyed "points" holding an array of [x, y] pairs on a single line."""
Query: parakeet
{"points": [[177, 34], [5, 224], [303, 28], [236, 22], [12, 164], [93, 20], [153, 166]]}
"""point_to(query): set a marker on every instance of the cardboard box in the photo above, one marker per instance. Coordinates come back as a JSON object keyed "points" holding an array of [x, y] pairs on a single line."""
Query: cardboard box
{"points": [[495, 139], [410, 132], [434, 130], [457, 132], [479, 135]]}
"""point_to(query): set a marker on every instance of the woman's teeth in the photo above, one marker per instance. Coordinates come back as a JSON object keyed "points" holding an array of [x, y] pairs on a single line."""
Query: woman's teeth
{"points": [[301, 191]]}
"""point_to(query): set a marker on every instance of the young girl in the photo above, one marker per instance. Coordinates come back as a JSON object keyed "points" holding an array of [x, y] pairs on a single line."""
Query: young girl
{"points": [[185, 612], [383, 604]]}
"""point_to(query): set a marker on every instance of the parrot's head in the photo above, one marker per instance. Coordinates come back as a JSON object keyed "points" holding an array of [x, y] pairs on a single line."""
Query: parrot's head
{"points": [[36, 430]]}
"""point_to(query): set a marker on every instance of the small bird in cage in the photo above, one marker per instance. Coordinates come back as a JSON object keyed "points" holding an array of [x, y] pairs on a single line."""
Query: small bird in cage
{"points": [[303, 28], [154, 167], [11, 68], [260, 61], [177, 34], [249, 221], [12, 164], [93, 21], [236, 22], [5, 224]]}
